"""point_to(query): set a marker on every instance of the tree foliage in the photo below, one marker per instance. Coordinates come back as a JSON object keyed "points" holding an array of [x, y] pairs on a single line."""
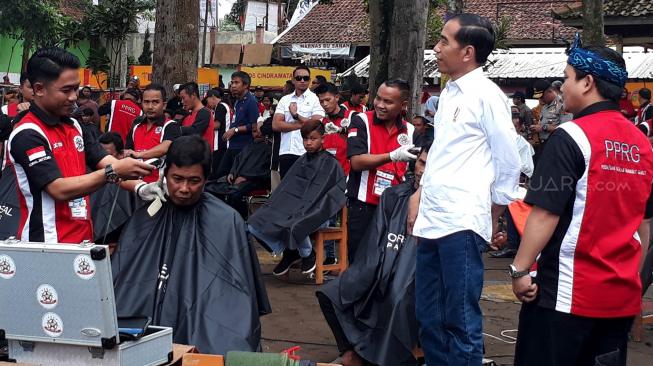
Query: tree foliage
{"points": [[146, 56]]}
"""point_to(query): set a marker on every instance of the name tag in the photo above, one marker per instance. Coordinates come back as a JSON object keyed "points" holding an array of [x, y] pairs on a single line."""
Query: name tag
{"points": [[78, 209], [382, 181]]}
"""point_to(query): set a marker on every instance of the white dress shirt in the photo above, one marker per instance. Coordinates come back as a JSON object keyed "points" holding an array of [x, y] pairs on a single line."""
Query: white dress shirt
{"points": [[473, 161], [526, 153], [308, 104]]}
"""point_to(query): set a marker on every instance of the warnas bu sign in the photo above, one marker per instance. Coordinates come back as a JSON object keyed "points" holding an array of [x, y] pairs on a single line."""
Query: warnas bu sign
{"points": [[322, 50]]}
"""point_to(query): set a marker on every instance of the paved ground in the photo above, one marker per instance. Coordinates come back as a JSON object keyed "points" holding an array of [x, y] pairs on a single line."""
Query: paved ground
{"points": [[297, 319]]}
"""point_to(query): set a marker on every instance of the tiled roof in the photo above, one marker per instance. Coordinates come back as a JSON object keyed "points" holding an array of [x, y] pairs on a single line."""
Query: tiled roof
{"points": [[345, 21], [72, 8], [342, 21], [529, 19], [611, 8]]}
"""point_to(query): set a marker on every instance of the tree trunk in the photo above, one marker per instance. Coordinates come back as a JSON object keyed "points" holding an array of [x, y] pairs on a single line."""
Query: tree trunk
{"points": [[27, 50], [176, 36], [398, 31], [593, 23]]}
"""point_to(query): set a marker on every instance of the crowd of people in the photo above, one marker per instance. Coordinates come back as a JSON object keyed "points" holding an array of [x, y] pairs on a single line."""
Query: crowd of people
{"points": [[563, 188]]}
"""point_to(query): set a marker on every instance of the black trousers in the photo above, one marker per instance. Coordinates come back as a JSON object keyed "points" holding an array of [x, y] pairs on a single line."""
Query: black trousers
{"points": [[550, 338], [227, 162], [285, 162], [360, 215]]}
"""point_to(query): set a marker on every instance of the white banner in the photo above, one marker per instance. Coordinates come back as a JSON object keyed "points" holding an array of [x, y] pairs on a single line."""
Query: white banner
{"points": [[321, 50]]}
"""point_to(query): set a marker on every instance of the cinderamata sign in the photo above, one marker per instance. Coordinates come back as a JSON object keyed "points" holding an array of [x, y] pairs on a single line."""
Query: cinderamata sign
{"points": [[276, 76]]}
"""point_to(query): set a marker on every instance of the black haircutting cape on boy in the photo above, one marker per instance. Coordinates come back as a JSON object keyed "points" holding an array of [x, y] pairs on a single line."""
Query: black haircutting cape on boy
{"points": [[310, 193], [190, 265]]}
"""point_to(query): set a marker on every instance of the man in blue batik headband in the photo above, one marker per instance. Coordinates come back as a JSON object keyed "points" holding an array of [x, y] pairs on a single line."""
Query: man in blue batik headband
{"points": [[588, 262], [592, 63]]}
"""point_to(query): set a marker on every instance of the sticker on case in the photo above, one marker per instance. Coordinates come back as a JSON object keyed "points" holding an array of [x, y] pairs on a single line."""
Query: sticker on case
{"points": [[84, 267], [47, 296], [52, 324], [7, 267]]}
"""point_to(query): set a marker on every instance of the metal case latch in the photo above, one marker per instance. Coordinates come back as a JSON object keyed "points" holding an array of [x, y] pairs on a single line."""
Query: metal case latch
{"points": [[96, 352]]}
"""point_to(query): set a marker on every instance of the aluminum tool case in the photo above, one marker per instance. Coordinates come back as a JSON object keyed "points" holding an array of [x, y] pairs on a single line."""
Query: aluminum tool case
{"points": [[57, 308]]}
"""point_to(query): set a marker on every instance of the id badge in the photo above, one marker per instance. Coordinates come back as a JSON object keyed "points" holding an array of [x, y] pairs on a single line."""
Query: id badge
{"points": [[382, 181], [78, 209]]}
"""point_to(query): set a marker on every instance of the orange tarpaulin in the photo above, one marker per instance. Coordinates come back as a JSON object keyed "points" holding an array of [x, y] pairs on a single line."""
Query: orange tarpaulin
{"points": [[519, 210]]}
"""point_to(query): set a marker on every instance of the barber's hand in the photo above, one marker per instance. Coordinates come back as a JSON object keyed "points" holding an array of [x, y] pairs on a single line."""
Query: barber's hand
{"points": [[403, 154], [499, 240], [229, 134], [524, 288], [129, 168], [330, 128], [151, 191], [413, 210], [22, 107], [230, 179]]}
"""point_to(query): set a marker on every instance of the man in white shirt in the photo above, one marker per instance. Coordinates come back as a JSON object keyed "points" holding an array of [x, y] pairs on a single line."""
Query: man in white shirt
{"points": [[292, 112], [472, 173]]}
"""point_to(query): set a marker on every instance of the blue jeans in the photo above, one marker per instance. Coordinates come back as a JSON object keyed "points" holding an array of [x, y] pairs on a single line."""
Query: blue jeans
{"points": [[448, 285], [330, 245]]}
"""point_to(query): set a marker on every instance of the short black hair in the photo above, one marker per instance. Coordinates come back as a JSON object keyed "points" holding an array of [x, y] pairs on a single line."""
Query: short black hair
{"points": [[243, 76], [47, 64], [181, 111], [191, 88], [311, 126], [157, 87], [478, 32], [321, 79], [358, 89], [301, 67], [23, 78], [133, 92], [606, 89], [87, 112], [423, 119], [326, 88], [187, 151], [112, 138], [645, 93], [402, 85], [214, 93]]}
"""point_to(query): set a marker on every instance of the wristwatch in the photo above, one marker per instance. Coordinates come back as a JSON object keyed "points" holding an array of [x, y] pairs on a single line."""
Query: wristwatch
{"points": [[514, 273], [236, 130], [545, 128], [110, 175]]}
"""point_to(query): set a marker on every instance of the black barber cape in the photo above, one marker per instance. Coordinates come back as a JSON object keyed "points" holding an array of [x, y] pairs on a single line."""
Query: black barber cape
{"points": [[253, 163], [375, 298], [311, 193], [111, 208], [213, 295], [9, 204]]}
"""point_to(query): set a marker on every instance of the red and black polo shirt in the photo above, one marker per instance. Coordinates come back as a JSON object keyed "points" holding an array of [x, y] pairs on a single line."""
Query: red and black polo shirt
{"points": [[336, 143], [368, 135], [358, 108], [201, 123], [123, 114], [42, 149], [596, 174], [143, 137]]}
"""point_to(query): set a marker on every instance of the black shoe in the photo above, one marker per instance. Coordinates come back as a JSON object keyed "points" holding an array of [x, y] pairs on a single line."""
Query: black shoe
{"points": [[330, 261], [308, 263], [504, 253], [289, 258]]}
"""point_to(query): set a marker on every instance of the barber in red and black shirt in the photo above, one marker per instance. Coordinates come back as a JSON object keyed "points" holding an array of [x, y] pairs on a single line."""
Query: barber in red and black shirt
{"points": [[379, 147], [200, 121], [151, 135], [51, 153], [591, 197], [336, 123]]}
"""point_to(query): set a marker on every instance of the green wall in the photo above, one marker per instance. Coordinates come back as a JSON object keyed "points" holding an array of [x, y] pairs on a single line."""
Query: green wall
{"points": [[81, 51]]}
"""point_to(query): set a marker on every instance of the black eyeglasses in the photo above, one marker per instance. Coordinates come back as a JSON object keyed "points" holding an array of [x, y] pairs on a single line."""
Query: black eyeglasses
{"points": [[302, 78]]}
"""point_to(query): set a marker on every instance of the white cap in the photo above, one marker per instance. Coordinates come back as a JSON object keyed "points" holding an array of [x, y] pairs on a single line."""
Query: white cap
{"points": [[176, 87]]}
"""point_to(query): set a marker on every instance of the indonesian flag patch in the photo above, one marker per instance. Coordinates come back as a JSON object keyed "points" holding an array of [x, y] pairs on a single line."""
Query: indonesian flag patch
{"points": [[353, 132], [36, 153]]}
